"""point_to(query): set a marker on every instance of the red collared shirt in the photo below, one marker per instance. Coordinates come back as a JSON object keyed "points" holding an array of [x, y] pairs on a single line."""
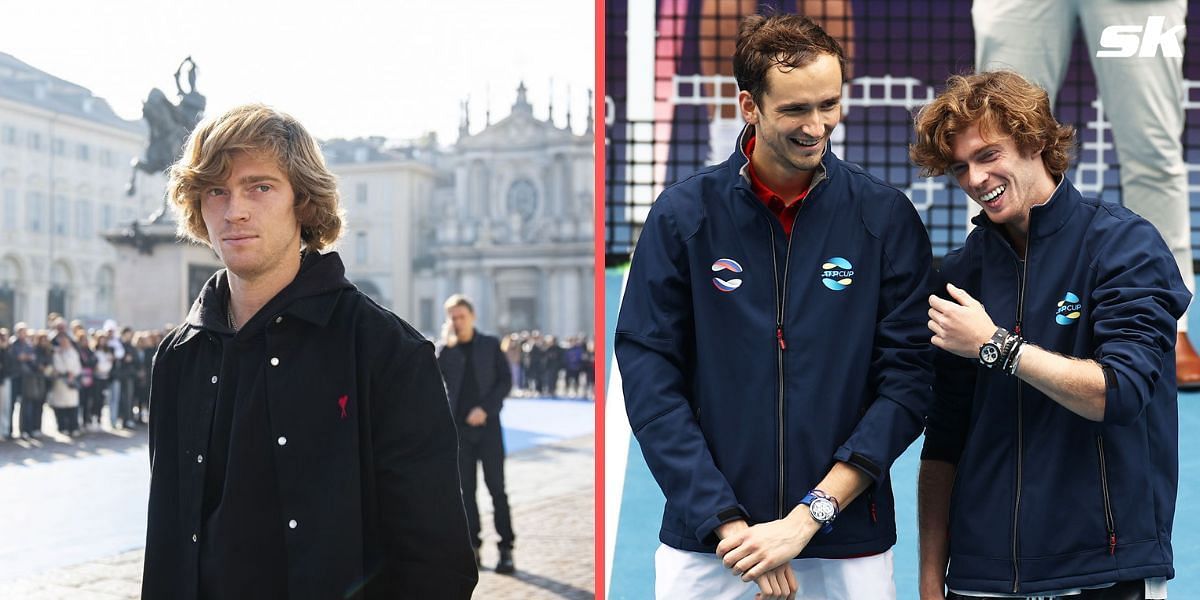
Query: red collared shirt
{"points": [[785, 211]]}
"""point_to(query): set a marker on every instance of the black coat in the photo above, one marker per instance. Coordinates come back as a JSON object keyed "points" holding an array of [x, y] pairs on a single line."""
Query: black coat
{"points": [[371, 481], [492, 375]]}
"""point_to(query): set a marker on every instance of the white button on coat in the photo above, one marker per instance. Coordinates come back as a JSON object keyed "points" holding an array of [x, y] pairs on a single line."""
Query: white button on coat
{"points": [[214, 379], [195, 537], [278, 319], [292, 524], [200, 458], [282, 441], [274, 361]]}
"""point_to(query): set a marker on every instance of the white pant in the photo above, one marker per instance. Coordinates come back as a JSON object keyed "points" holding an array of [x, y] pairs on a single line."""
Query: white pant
{"points": [[1143, 97], [679, 574]]}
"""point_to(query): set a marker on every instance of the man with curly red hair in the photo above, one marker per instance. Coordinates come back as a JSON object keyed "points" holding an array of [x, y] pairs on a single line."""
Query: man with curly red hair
{"points": [[1050, 463]]}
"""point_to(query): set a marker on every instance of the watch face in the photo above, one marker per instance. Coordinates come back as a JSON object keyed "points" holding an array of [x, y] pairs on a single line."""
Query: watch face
{"points": [[822, 509], [989, 353]]}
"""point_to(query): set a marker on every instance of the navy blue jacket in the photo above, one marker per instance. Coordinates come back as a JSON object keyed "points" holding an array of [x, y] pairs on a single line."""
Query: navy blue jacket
{"points": [[1044, 499], [750, 364]]}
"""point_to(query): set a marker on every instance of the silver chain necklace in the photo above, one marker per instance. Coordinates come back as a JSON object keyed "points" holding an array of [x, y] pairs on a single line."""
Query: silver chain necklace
{"points": [[229, 307]]}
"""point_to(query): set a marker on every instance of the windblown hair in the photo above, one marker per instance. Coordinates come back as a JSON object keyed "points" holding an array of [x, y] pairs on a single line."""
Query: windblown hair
{"points": [[1001, 103], [256, 128], [459, 300], [784, 41]]}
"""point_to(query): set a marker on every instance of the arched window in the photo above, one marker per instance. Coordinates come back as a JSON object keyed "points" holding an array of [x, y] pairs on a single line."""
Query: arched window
{"points": [[58, 295]]}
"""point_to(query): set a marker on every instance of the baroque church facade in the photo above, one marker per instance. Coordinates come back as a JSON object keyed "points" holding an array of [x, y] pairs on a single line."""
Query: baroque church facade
{"points": [[503, 216]]}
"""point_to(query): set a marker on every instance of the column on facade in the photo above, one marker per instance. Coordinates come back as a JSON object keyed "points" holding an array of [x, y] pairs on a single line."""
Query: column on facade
{"points": [[446, 284], [473, 286], [587, 306], [557, 300], [571, 298]]}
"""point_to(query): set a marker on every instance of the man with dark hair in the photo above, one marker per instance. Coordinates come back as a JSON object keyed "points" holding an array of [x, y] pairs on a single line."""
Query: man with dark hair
{"points": [[477, 380], [1050, 463], [301, 443], [772, 344]]}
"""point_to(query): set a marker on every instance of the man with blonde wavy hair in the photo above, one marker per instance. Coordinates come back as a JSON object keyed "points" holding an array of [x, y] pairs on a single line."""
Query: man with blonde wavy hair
{"points": [[301, 443], [1050, 463]]}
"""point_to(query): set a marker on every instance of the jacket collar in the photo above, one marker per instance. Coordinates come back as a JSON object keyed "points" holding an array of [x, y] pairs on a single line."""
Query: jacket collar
{"points": [[738, 163], [1048, 218], [311, 296]]}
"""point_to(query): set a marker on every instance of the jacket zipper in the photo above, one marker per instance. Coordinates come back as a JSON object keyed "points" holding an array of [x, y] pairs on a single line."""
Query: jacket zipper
{"points": [[781, 345], [1108, 516], [1020, 429]]}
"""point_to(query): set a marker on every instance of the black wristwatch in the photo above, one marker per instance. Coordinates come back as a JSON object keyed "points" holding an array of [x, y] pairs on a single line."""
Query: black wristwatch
{"points": [[991, 351]]}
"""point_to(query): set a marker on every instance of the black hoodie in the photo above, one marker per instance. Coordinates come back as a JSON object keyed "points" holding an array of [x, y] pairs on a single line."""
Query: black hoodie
{"points": [[309, 455]]}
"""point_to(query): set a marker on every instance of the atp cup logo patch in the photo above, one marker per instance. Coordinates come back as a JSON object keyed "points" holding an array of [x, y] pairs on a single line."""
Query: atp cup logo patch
{"points": [[1068, 309], [726, 264], [837, 273]]}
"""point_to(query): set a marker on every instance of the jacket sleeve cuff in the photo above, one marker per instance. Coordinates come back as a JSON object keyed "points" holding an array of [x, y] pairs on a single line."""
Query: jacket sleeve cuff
{"points": [[1123, 400], [706, 533], [860, 462], [936, 448]]}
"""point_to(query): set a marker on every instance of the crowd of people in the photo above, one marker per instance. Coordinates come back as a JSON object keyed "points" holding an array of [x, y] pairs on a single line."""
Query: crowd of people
{"points": [[92, 376], [545, 366], [86, 376]]}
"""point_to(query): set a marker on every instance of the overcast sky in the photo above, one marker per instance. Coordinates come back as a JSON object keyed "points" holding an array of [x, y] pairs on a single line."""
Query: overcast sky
{"points": [[346, 69]]}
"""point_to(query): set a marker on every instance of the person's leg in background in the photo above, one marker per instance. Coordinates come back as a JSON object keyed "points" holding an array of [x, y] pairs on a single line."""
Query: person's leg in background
{"points": [[492, 456], [114, 402], [1143, 100], [468, 457]]}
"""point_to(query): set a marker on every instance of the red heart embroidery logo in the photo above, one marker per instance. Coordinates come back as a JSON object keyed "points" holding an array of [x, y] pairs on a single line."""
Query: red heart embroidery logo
{"points": [[342, 404]]}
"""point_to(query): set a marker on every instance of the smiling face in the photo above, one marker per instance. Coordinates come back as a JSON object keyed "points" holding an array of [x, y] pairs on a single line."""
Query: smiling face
{"points": [[1004, 182], [798, 111], [251, 218]]}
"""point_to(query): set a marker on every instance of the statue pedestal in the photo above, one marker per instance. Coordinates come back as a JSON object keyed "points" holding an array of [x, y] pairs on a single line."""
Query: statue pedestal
{"points": [[157, 275]]}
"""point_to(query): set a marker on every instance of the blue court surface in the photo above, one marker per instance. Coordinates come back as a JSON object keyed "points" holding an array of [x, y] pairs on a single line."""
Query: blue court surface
{"points": [[633, 501], [530, 422]]}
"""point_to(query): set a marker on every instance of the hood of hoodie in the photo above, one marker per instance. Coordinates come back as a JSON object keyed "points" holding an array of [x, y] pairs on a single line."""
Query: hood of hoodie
{"points": [[311, 296]]}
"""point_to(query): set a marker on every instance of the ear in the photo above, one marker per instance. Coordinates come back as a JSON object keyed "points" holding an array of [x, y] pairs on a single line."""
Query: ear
{"points": [[748, 107]]}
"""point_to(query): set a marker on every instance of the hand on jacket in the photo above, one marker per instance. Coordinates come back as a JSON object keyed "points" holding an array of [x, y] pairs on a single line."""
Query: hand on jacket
{"points": [[754, 551], [959, 327], [477, 417]]}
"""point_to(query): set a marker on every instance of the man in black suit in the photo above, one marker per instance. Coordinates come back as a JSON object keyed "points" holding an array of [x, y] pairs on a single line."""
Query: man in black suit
{"points": [[477, 381]]}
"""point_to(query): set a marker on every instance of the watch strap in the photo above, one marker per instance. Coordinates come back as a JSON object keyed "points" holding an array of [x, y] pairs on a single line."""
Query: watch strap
{"points": [[997, 342], [814, 494]]}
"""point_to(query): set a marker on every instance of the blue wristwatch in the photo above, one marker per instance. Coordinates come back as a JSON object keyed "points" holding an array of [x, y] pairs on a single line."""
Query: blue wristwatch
{"points": [[823, 508]]}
